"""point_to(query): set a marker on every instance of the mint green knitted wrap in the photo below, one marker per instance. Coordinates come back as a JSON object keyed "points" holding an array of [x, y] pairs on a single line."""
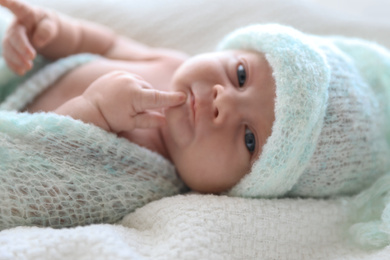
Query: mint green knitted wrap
{"points": [[60, 172]]}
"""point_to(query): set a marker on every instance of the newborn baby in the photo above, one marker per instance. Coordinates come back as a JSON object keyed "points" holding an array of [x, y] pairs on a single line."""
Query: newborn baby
{"points": [[274, 112]]}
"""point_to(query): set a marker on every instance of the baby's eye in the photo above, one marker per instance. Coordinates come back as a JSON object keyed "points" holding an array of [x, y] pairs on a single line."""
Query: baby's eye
{"points": [[241, 75], [250, 140]]}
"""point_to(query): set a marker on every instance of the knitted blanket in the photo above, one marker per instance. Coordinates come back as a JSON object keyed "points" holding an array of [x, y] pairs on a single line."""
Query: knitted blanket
{"points": [[201, 227], [59, 172]]}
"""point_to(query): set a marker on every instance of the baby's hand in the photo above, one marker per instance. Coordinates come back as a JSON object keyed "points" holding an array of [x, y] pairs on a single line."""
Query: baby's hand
{"points": [[127, 102], [32, 28]]}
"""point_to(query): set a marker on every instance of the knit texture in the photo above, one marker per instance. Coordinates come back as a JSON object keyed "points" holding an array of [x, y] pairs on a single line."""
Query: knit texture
{"points": [[60, 172], [329, 133]]}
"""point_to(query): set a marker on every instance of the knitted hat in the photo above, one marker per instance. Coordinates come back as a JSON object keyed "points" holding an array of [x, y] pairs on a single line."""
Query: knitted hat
{"points": [[328, 137]]}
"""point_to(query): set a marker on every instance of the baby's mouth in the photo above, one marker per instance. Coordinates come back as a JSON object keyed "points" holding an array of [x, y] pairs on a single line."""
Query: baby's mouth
{"points": [[192, 105]]}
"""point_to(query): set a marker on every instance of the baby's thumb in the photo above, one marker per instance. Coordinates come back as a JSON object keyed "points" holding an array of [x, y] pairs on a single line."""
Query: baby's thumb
{"points": [[44, 33]]}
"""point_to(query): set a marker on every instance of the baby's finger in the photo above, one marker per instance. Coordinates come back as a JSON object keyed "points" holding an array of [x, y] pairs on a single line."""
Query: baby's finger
{"points": [[17, 36], [15, 61], [152, 99], [148, 120], [19, 9], [14, 67]]}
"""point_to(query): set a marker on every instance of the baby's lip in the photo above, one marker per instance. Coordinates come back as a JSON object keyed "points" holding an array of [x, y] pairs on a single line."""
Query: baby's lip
{"points": [[193, 105]]}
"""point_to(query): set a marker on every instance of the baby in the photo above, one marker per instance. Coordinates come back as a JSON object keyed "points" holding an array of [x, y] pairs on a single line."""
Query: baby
{"points": [[195, 112], [273, 113]]}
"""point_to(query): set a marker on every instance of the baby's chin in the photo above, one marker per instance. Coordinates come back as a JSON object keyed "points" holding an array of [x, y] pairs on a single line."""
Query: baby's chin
{"points": [[178, 130], [204, 186]]}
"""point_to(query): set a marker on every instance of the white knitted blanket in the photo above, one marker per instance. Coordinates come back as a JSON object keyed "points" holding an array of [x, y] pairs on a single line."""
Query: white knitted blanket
{"points": [[200, 227], [203, 226]]}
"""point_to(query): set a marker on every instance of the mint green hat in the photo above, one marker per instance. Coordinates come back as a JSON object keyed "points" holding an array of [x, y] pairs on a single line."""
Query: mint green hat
{"points": [[328, 137]]}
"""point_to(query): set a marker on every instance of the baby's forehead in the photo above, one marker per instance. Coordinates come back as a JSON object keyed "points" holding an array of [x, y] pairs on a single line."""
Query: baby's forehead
{"points": [[243, 52]]}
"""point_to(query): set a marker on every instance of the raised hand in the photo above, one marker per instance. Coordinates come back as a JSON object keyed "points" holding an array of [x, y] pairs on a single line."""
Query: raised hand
{"points": [[120, 101], [32, 28]]}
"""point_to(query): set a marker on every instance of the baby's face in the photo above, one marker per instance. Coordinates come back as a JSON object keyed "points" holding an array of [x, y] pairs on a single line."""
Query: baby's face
{"points": [[215, 137]]}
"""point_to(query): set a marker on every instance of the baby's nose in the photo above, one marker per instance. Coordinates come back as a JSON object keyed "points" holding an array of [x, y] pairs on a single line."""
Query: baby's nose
{"points": [[224, 105], [216, 89]]}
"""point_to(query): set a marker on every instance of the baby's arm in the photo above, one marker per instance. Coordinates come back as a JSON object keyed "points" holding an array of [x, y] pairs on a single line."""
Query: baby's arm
{"points": [[120, 101], [54, 36]]}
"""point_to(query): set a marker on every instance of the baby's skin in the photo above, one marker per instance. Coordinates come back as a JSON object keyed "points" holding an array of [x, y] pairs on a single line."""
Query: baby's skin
{"points": [[209, 115]]}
